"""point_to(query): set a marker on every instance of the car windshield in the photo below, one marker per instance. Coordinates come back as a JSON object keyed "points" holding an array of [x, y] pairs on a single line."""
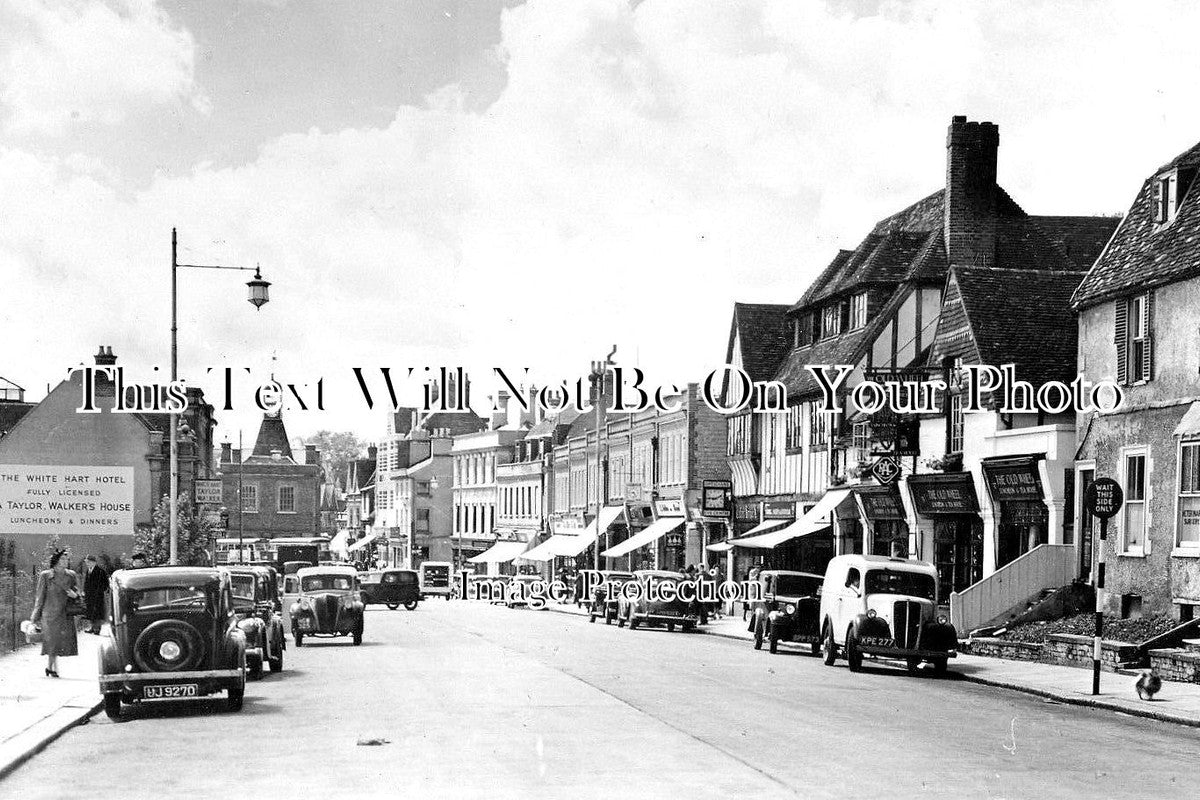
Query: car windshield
{"points": [[659, 580], [169, 597], [887, 581], [243, 588], [400, 577], [797, 585], [323, 583]]}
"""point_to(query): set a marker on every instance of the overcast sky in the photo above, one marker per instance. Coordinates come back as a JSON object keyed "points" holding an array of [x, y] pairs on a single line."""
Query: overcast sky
{"points": [[491, 183]]}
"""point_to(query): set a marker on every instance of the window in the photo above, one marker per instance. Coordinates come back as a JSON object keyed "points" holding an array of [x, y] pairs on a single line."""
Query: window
{"points": [[956, 423], [740, 433], [422, 520], [423, 488], [1134, 534], [861, 438], [795, 428], [819, 425], [249, 498], [858, 311], [1187, 528], [831, 321], [1134, 336], [807, 332]]}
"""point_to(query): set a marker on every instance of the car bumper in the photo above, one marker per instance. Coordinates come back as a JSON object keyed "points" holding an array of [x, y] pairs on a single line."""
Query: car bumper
{"points": [[207, 681], [901, 652], [667, 618]]}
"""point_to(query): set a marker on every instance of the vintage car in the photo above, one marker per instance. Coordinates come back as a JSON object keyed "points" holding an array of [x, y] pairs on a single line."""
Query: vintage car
{"points": [[329, 604], [657, 602], [435, 579], [260, 616], [392, 588], [530, 591], [174, 636], [789, 611], [606, 585], [488, 588], [881, 606]]}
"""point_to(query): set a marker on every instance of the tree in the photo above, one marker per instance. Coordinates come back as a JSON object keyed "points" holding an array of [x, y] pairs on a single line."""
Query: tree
{"points": [[195, 535], [338, 449]]}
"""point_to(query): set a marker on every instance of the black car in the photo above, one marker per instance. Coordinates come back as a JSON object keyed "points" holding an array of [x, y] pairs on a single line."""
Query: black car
{"points": [[174, 635], [605, 591], [660, 599], [260, 616], [789, 611], [392, 588], [329, 604]]}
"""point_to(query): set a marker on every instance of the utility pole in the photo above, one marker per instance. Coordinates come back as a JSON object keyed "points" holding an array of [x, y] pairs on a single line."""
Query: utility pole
{"points": [[599, 373]]}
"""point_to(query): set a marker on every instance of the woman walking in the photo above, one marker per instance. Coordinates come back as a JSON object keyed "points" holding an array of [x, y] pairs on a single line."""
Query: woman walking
{"points": [[55, 587]]}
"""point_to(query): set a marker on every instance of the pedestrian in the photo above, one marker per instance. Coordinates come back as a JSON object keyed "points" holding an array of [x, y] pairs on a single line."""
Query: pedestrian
{"points": [[56, 588], [95, 587], [137, 561], [714, 575], [751, 577]]}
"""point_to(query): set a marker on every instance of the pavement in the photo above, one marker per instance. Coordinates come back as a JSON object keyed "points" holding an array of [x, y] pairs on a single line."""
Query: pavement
{"points": [[36, 709], [1177, 703], [471, 700]]}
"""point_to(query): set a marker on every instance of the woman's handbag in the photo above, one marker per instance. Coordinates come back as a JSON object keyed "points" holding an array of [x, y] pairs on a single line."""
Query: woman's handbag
{"points": [[75, 607], [33, 632]]}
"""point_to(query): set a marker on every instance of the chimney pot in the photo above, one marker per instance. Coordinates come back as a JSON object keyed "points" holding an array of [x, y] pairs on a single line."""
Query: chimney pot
{"points": [[971, 192], [226, 452]]}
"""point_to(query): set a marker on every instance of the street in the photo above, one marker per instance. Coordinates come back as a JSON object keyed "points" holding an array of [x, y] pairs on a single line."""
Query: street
{"points": [[476, 700]]}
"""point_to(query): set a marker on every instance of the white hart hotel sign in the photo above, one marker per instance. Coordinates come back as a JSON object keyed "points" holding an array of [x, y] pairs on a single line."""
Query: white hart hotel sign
{"points": [[38, 499]]}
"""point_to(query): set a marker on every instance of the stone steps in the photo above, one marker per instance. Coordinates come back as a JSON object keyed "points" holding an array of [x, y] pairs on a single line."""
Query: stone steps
{"points": [[1191, 645]]}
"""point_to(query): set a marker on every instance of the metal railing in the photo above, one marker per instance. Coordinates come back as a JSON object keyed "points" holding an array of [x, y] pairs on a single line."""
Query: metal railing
{"points": [[1046, 566]]}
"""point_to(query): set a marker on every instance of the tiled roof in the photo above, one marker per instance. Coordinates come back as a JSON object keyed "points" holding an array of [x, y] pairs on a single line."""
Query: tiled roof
{"points": [[1081, 239], [11, 414], [1143, 254], [763, 334], [272, 436], [458, 422], [364, 472], [1015, 316]]}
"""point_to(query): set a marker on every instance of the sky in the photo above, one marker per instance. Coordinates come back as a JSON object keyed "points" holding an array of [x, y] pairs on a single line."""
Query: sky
{"points": [[492, 183]]}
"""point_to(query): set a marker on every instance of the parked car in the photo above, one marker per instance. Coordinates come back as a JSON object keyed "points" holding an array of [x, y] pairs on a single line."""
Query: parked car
{"points": [[489, 588], [260, 616], [329, 604], [392, 588], [522, 589], [875, 605], [604, 601], [174, 636], [790, 610], [651, 610], [435, 579]]}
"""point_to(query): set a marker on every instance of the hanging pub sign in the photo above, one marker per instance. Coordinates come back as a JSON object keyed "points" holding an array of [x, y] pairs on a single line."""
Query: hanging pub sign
{"points": [[779, 509], [886, 470], [717, 499], [1014, 481], [943, 494], [668, 508], [880, 503], [675, 540], [745, 511]]}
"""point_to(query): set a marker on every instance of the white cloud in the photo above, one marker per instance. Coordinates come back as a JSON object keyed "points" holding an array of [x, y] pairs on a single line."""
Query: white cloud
{"points": [[71, 63], [641, 170]]}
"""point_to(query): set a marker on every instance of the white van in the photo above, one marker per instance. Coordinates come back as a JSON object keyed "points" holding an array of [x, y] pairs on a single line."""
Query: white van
{"points": [[876, 605]]}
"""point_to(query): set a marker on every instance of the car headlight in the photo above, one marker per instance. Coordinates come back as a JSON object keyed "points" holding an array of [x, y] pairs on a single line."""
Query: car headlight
{"points": [[790, 609], [941, 618], [872, 613]]}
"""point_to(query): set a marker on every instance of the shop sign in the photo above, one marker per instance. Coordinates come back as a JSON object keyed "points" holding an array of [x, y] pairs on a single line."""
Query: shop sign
{"points": [[1024, 512], [745, 511], [1014, 482], [675, 540], [1189, 519], [1104, 498], [881, 505], [208, 492], [944, 497], [717, 499], [633, 493], [886, 470], [49, 499], [779, 509], [668, 508]]}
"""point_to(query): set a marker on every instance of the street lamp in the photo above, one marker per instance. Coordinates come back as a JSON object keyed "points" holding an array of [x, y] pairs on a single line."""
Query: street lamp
{"points": [[258, 297]]}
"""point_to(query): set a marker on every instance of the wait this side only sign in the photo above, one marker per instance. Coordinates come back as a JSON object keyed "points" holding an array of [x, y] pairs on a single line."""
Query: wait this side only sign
{"points": [[1103, 498], [44, 500]]}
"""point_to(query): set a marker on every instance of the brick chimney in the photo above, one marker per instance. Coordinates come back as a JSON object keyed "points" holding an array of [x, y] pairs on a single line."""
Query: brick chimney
{"points": [[403, 420], [311, 456], [971, 192], [372, 453], [534, 415], [105, 357], [500, 410], [226, 453], [237, 455]]}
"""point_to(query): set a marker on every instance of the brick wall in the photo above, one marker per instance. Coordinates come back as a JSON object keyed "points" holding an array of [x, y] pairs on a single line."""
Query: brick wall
{"points": [[1176, 664], [1002, 648], [1076, 651]]}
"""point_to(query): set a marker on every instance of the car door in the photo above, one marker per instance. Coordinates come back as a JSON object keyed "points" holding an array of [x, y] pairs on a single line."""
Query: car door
{"points": [[291, 593]]}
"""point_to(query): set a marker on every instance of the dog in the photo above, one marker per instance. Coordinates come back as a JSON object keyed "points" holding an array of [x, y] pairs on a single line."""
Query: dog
{"points": [[1148, 684]]}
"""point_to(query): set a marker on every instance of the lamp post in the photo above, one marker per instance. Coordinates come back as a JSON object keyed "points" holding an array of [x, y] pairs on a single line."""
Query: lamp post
{"points": [[599, 373], [258, 297]]}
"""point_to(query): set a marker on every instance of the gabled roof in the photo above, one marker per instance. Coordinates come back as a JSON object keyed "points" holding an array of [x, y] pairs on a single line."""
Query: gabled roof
{"points": [[272, 436], [11, 414], [762, 331], [1143, 254], [1010, 316], [458, 422]]}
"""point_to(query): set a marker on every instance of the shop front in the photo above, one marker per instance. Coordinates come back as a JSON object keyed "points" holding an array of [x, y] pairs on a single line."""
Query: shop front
{"points": [[947, 528], [882, 515], [1015, 487]]}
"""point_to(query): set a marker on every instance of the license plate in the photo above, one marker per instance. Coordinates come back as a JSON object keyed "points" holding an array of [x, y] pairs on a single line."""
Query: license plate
{"points": [[305, 624], [169, 692], [877, 641]]}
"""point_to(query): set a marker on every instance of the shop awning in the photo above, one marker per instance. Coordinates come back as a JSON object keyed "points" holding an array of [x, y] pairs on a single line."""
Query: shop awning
{"points": [[608, 515], [815, 520], [1190, 424], [765, 526], [653, 533], [499, 553], [556, 545], [720, 547], [950, 493], [363, 542]]}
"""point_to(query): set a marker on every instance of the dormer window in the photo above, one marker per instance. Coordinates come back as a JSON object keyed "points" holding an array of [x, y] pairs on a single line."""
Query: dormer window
{"points": [[858, 311], [805, 330], [831, 321], [1169, 191]]}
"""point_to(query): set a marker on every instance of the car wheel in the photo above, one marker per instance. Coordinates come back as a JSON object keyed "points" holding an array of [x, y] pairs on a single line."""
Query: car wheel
{"points": [[815, 649], [276, 663], [299, 637], [828, 647], [411, 605], [237, 695], [939, 666], [358, 632], [608, 615], [913, 664], [633, 622], [393, 606], [758, 634], [853, 656], [671, 627], [773, 644], [255, 663], [620, 619], [112, 706]]}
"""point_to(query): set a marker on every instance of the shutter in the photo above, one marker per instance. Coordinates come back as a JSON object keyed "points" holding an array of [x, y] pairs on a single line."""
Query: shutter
{"points": [[1172, 194], [1120, 338], [1148, 335], [1156, 211]]}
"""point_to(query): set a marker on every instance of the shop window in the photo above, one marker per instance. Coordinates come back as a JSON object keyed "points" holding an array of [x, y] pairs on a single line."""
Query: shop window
{"points": [[1134, 529], [1187, 526]]}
